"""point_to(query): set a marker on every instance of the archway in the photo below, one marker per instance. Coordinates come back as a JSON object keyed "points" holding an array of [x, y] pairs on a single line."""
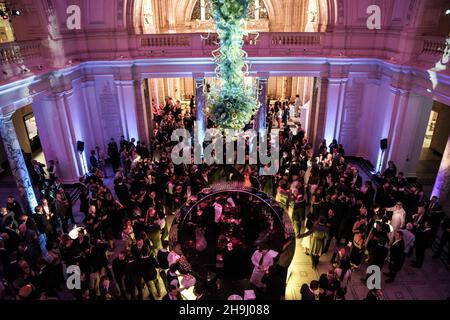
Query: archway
{"points": [[169, 16]]}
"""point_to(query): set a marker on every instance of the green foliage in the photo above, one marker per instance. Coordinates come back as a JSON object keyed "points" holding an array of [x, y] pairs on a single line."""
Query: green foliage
{"points": [[232, 103]]}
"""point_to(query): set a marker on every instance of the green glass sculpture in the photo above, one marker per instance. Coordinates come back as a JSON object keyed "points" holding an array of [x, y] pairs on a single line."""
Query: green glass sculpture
{"points": [[231, 102]]}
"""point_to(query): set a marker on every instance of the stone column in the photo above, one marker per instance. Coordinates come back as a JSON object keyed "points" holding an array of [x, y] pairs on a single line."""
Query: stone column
{"points": [[149, 108], [316, 123], [262, 99], [200, 125], [141, 113], [441, 186], [334, 108], [17, 161]]}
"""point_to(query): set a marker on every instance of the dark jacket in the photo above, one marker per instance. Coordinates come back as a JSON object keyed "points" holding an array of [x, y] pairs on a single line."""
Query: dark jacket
{"points": [[397, 255], [378, 255], [306, 293]]}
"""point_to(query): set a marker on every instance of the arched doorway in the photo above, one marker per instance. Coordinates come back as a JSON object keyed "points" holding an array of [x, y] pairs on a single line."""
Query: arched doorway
{"points": [[170, 16]]}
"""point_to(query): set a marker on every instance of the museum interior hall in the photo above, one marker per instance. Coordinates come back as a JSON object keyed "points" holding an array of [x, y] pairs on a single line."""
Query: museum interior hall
{"points": [[224, 150]]}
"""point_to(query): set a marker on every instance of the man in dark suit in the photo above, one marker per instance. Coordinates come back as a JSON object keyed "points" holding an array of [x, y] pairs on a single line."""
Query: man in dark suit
{"points": [[43, 225], [396, 257], [114, 155], [6, 217], [131, 276], [119, 265], [444, 239], [424, 238], [433, 205], [378, 254], [435, 215], [383, 196], [173, 294], [122, 192], [307, 292], [94, 161], [13, 206], [108, 289], [62, 212]]}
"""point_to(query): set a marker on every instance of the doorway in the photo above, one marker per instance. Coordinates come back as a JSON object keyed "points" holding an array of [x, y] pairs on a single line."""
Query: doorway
{"points": [[29, 141], [28, 136], [434, 143]]}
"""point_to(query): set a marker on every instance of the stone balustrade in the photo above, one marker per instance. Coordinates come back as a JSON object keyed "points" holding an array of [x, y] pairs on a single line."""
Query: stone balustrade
{"points": [[38, 56]]}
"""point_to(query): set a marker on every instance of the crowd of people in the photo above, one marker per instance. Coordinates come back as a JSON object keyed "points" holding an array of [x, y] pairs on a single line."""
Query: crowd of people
{"points": [[121, 246], [378, 227]]}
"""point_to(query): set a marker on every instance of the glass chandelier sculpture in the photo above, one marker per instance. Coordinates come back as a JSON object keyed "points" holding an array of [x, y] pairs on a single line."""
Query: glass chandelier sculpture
{"points": [[231, 102]]}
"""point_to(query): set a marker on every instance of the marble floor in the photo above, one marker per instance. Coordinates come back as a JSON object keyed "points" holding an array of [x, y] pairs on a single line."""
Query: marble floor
{"points": [[431, 282]]}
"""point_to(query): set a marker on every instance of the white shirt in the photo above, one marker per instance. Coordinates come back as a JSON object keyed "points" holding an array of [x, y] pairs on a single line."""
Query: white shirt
{"points": [[408, 238], [231, 202], [217, 211], [173, 257], [398, 217], [267, 260]]}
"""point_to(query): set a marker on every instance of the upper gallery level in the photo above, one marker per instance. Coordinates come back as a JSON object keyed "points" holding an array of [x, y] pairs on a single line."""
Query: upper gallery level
{"points": [[39, 36]]}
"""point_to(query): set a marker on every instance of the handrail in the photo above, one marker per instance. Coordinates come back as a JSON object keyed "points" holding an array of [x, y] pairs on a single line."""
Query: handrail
{"points": [[435, 45], [17, 52]]}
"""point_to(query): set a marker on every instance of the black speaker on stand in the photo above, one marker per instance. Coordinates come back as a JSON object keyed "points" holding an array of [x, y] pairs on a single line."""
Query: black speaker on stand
{"points": [[383, 147]]}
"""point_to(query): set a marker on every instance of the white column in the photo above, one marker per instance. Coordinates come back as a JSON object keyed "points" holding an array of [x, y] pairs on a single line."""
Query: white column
{"points": [[155, 91], [141, 114], [257, 9], [262, 99], [317, 114], [408, 141], [69, 104], [58, 143], [334, 108], [202, 10], [93, 112], [17, 161], [200, 125], [397, 104], [128, 107], [367, 147]]}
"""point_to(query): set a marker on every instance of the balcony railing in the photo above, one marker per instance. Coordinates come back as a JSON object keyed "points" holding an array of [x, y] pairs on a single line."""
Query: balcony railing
{"points": [[435, 46], [202, 44], [18, 52], [295, 39], [38, 56], [165, 41], [434, 50]]}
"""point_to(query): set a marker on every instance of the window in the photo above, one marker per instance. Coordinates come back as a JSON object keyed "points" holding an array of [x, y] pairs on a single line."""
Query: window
{"points": [[6, 31], [202, 11], [30, 124]]}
